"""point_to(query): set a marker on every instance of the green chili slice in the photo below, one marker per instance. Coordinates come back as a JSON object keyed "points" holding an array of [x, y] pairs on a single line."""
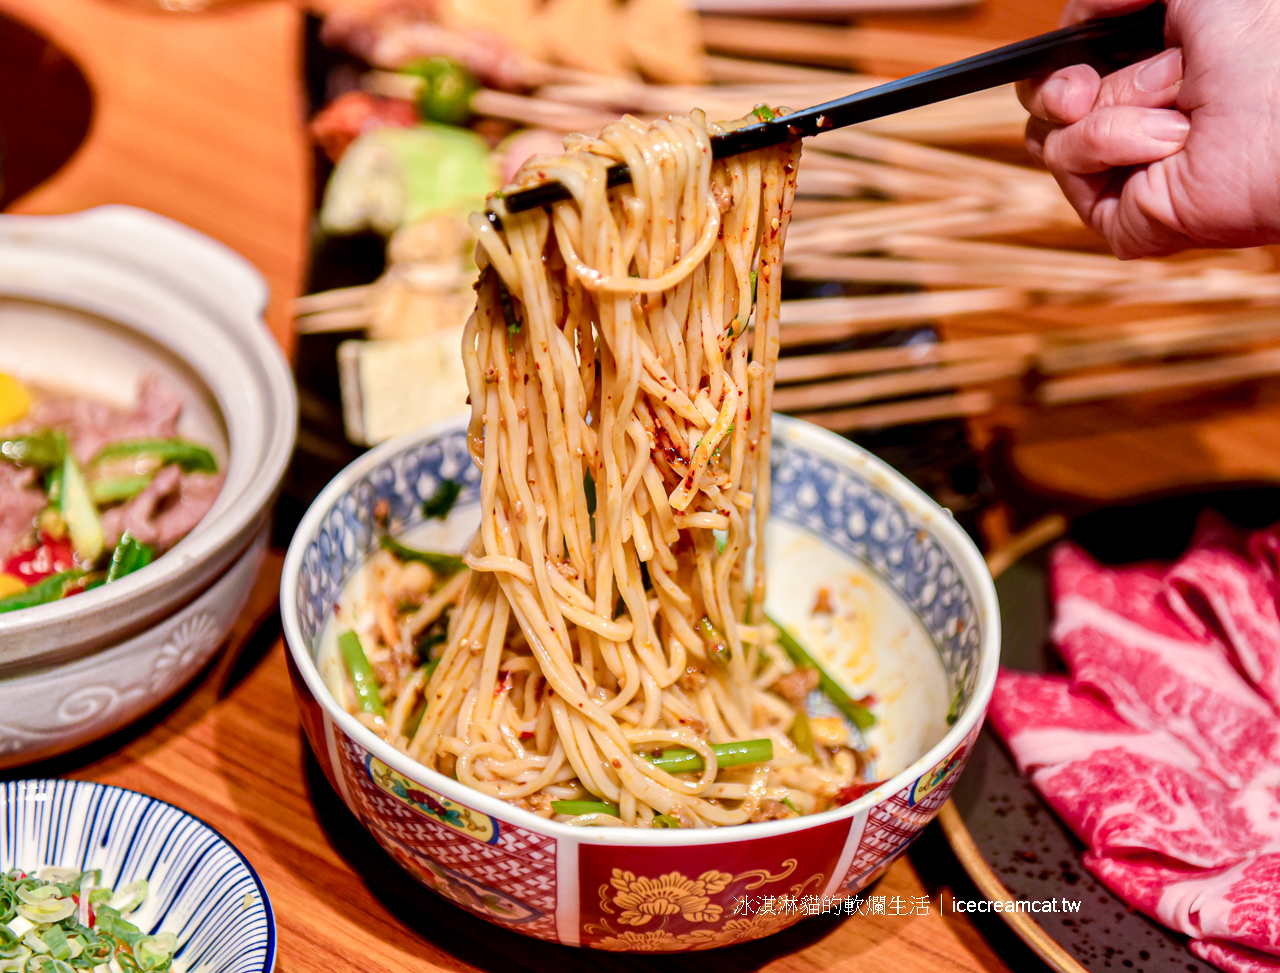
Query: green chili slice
{"points": [[189, 456], [40, 450], [118, 489], [130, 555]]}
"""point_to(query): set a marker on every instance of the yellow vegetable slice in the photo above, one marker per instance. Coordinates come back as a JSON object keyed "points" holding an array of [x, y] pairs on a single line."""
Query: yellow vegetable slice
{"points": [[9, 585], [15, 400]]}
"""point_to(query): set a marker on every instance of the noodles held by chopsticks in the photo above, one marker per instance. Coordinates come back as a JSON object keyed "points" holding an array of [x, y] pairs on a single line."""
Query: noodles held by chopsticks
{"points": [[620, 366]]}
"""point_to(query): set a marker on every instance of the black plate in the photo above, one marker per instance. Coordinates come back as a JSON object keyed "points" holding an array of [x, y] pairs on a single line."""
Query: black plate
{"points": [[1020, 839]]}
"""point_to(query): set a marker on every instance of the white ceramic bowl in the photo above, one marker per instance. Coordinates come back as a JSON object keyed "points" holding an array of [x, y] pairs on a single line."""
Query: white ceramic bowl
{"points": [[49, 711], [917, 625], [200, 888], [94, 302]]}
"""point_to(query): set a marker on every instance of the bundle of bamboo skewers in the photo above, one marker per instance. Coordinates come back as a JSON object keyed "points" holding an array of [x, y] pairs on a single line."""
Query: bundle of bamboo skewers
{"points": [[909, 232]]}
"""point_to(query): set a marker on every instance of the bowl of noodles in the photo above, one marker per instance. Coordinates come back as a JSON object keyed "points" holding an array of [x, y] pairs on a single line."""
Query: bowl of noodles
{"points": [[621, 660]]}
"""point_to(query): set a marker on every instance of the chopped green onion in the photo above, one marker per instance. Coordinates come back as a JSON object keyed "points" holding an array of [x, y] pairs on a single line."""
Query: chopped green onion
{"points": [[432, 665], [361, 674], [151, 951], [787, 801], [56, 940], [117, 489], [189, 456], [957, 704], [764, 113], [79, 511], [114, 925], [414, 720], [859, 715], [434, 636], [680, 760], [49, 908], [129, 897], [130, 555], [802, 734], [744, 313], [438, 505], [50, 589], [508, 311], [665, 821], [589, 492], [439, 563], [718, 651], [584, 807]]}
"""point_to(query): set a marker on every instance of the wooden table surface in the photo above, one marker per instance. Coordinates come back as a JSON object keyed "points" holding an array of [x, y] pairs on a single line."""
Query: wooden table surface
{"points": [[200, 117]]}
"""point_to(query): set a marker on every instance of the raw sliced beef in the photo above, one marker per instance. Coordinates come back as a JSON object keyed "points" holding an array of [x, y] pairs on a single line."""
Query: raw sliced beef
{"points": [[1264, 545], [1222, 586], [1123, 790], [1162, 748], [1234, 959], [1043, 722], [1156, 674], [1135, 592], [1237, 904]]}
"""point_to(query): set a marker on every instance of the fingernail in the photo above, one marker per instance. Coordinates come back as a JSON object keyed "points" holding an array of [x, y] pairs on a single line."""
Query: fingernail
{"points": [[1167, 126], [1054, 94], [1160, 72]]}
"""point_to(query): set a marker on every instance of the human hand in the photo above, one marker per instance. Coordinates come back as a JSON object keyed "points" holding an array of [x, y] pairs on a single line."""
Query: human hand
{"points": [[1180, 150]]}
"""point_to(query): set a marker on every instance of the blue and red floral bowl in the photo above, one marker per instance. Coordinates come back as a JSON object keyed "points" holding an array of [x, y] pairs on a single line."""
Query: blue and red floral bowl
{"points": [[921, 633]]}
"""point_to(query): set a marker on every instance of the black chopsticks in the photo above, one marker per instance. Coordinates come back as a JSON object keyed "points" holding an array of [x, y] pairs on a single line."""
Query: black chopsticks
{"points": [[1105, 44]]}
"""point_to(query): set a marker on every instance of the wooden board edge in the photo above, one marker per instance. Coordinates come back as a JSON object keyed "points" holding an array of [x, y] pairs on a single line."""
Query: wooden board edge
{"points": [[989, 884]]}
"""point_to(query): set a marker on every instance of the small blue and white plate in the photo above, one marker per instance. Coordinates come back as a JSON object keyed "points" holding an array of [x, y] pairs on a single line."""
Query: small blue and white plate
{"points": [[201, 888]]}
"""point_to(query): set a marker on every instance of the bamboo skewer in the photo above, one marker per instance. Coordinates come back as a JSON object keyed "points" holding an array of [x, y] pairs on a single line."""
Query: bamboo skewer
{"points": [[894, 384], [1154, 339], [733, 70], [815, 43], [339, 319], [1234, 368], [808, 368], [341, 297], [955, 406], [836, 318], [875, 207], [895, 183], [935, 273]]}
